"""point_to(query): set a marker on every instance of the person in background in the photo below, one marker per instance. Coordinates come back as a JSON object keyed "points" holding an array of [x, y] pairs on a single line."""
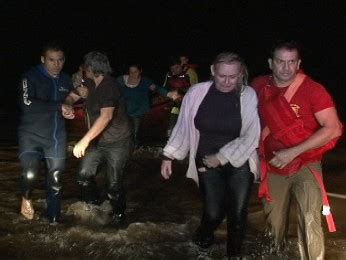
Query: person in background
{"points": [[218, 127], [136, 88], [109, 138], [81, 89], [175, 80], [189, 69], [300, 123], [78, 76], [41, 132]]}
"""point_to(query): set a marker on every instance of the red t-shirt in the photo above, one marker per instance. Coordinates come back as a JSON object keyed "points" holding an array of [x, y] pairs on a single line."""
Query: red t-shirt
{"points": [[310, 98]]}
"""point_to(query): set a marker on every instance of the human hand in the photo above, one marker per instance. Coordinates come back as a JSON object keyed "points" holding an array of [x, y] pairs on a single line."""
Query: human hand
{"points": [[211, 161], [80, 147], [283, 157], [174, 95], [166, 169], [67, 111], [82, 91]]}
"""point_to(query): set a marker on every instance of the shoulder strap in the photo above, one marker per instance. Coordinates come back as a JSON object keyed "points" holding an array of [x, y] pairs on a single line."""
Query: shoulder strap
{"points": [[292, 89]]}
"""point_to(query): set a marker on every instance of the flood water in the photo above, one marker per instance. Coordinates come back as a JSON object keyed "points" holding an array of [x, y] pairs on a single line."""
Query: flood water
{"points": [[162, 215]]}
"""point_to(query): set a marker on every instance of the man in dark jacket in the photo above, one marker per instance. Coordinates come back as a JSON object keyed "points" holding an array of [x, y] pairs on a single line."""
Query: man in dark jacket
{"points": [[41, 132]]}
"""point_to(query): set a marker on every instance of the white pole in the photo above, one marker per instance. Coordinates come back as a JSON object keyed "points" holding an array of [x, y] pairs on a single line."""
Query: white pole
{"points": [[336, 195]]}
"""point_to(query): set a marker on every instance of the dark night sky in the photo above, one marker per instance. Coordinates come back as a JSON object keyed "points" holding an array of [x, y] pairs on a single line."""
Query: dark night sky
{"points": [[152, 30]]}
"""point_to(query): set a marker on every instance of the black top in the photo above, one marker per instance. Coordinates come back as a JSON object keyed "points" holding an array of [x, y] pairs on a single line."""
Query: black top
{"points": [[41, 97], [218, 120], [107, 94]]}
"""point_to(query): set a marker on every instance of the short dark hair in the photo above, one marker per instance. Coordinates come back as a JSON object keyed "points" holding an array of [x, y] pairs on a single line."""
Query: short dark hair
{"points": [[51, 46], [285, 44]]}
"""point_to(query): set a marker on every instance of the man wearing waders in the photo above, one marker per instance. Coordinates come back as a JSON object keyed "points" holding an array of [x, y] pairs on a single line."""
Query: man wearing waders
{"points": [[299, 124]]}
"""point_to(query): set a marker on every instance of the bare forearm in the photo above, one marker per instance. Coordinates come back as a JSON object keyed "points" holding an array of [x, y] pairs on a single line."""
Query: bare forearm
{"points": [[97, 128], [318, 139], [330, 129], [71, 99]]}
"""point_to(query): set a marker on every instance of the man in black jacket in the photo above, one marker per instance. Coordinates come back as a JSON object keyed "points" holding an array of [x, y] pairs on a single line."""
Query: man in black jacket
{"points": [[41, 132]]}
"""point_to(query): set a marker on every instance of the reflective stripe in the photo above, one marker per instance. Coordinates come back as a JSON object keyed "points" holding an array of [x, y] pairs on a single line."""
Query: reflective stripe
{"points": [[25, 93]]}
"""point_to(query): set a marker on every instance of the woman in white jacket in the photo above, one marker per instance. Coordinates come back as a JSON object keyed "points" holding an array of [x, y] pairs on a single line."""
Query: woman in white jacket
{"points": [[219, 128]]}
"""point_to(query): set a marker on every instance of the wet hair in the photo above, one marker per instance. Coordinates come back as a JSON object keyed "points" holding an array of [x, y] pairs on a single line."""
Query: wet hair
{"points": [[231, 57], [285, 44], [51, 46], [98, 63]]}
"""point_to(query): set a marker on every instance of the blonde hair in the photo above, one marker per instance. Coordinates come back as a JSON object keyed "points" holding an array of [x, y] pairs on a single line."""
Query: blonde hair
{"points": [[231, 57]]}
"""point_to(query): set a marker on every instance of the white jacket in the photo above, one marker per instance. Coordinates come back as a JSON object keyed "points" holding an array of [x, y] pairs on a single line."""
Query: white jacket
{"points": [[185, 136]]}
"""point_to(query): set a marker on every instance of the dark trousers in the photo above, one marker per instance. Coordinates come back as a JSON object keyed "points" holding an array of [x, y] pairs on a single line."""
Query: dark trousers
{"points": [[225, 191], [30, 163], [115, 156], [137, 121]]}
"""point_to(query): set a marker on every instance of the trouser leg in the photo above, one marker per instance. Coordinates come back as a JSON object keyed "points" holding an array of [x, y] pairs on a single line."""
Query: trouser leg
{"points": [[116, 157], [212, 189], [136, 120], [277, 210], [87, 173], [309, 205], [56, 167], [239, 182], [30, 164], [89, 192]]}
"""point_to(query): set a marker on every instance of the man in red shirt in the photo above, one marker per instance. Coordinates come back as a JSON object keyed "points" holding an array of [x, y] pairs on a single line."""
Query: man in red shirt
{"points": [[299, 124]]}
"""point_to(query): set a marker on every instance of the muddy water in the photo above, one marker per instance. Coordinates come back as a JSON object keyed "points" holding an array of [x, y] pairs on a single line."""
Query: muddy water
{"points": [[162, 216]]}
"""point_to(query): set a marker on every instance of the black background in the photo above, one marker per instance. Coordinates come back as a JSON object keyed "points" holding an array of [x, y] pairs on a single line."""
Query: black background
{"points": [[150, 31]]}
